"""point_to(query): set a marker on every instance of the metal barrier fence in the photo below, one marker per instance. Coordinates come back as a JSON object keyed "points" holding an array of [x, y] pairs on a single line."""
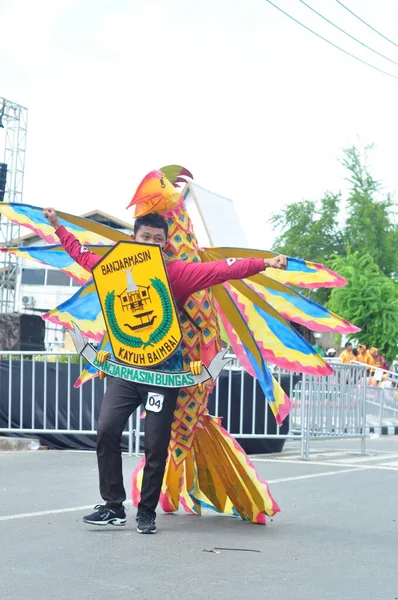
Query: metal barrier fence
{"points": [[37, 397], [382, 407]]}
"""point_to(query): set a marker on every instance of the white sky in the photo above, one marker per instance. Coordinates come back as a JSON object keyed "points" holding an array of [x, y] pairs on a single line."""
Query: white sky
{"points": [[255, 106]]}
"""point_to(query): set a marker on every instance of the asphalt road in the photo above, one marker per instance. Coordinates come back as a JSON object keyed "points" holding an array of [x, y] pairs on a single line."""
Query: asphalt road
{"points": [[335, 538]]}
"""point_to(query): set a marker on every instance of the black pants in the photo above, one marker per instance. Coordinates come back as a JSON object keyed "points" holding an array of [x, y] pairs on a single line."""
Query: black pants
{"points": [[121, 399]]}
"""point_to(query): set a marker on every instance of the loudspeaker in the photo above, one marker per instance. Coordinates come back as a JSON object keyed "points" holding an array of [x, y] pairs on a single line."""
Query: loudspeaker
{"points": [[3, 180], [19, 331]]}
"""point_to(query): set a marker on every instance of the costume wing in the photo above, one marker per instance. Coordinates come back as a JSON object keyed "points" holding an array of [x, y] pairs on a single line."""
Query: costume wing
{"points": [[295, 307], [263, 330], [85, 230], [84, 309], [299, 272], [254, 312], [55, 256]]}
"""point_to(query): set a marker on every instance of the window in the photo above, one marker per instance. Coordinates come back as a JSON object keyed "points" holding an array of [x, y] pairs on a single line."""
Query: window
{"points": [[57, 278], [75, 284], [33, 276]]}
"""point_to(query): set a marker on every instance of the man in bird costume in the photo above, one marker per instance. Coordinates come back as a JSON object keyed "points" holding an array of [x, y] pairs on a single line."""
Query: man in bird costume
{"points": [[205, 467], [123, 397]]}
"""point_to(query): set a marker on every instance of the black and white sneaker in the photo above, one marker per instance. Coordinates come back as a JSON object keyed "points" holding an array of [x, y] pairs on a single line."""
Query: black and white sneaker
{"points": [[145, 523], [105, 515]]}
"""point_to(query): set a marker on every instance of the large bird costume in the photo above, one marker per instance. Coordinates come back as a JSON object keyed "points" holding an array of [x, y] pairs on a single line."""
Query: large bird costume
{"points": [[205, 467]]}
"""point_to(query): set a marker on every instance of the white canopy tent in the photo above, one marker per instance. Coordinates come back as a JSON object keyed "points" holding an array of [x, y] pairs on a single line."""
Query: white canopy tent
{"points": [[215, 220]]}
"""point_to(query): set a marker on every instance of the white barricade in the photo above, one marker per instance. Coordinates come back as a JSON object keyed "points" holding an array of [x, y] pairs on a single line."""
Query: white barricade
{"points": [[382, 409], [37, 396]]}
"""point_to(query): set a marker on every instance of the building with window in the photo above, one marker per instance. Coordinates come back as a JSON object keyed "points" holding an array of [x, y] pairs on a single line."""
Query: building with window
{"points": [[40, 288]]}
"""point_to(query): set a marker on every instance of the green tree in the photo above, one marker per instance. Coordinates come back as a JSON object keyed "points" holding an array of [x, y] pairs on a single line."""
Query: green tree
{"points": [[371, 225], [357, 237], [316, 231], [310, 229], [370, 301]]}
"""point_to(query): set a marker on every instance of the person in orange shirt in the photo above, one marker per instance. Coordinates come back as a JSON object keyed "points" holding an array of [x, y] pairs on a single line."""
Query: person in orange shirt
{"points": [[375, 361], [347, 356], [374, 358], [363, 354]]}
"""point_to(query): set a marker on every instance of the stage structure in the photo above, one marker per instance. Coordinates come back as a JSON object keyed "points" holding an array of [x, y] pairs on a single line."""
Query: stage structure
{"points": [[13, 127]]}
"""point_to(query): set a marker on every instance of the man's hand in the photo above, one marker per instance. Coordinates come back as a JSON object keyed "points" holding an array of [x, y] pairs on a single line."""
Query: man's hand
{"points": [[195, 366], [276, 262], [101, 357], [52, 218]]}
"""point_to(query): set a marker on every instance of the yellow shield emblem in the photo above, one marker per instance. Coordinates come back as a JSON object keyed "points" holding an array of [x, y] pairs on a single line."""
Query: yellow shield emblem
{"points": [[137, 304]]}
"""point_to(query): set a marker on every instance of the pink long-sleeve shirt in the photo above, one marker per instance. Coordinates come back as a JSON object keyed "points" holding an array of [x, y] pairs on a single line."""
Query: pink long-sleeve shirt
{"points": [[185, 278]]}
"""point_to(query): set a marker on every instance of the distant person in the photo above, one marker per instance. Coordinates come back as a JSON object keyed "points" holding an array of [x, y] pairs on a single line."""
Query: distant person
{"points": [[347, 356], [374, 358], [386, 381], [362, 355], [375, 361]]}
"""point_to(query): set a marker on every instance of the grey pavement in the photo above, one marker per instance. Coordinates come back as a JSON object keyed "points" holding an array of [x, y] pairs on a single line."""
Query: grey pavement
{"points": [[335, 538]]}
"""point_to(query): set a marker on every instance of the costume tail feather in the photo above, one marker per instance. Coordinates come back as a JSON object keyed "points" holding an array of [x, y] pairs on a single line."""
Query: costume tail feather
{"points": [[217, 475], [246, 494], [137, 482]]}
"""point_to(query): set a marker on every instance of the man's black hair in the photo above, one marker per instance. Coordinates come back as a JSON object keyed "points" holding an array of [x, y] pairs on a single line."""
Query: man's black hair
{"points": [[152, 220], [348, 344]]}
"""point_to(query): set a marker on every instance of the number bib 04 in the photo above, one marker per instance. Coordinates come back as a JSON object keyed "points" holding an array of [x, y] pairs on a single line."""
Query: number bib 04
{"points": [[154, 402]]}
